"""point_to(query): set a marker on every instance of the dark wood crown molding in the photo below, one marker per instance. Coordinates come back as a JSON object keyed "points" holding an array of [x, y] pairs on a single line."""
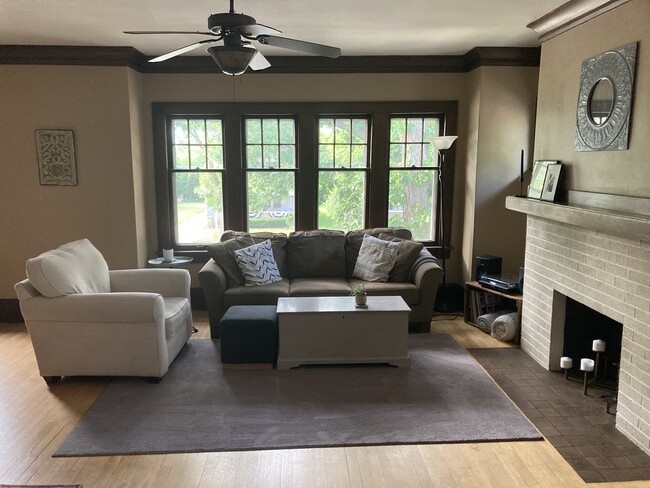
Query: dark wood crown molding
{"points": [[570, 15], [131, 57]]}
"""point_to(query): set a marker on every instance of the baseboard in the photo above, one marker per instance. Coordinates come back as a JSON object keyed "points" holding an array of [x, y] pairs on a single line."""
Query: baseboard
{"points": [[10, 310]]}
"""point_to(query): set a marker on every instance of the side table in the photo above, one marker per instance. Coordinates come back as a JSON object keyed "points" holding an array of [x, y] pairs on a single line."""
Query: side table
{"points": [[174, 263]]}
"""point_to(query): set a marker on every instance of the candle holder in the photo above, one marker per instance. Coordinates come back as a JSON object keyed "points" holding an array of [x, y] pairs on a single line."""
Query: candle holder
{"points": [[586, 365], [566, 363]]}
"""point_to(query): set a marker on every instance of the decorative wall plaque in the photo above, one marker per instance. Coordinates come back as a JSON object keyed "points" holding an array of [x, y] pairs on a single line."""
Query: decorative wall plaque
{"points": [[605, 100], [56, 160]]}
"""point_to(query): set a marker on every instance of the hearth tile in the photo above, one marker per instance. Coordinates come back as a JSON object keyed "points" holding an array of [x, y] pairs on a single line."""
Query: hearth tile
{"points": [[560, 422], [589, 451], [617, 474], [600, 462], [591, 476], [577, 440], [557, 441], [600, 420], [579, 463], [549, 431], [549, 412], [568, 411], [640, 459], [569, 452], [622, 462]]}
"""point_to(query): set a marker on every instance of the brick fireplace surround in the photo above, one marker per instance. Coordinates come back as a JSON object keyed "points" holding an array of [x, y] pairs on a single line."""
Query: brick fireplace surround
{"points": [[601, 259]]}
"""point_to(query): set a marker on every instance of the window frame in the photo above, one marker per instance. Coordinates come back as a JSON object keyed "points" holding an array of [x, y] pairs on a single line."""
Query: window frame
{"points": [[307, 113]]}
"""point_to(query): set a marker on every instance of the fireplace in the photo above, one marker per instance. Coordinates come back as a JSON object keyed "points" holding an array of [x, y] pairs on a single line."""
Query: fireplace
{"points": [[583, 326], [600, 260]]}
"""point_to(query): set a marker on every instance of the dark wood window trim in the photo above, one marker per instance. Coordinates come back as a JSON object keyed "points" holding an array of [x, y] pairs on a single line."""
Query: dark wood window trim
{"points": [[307, 114]]}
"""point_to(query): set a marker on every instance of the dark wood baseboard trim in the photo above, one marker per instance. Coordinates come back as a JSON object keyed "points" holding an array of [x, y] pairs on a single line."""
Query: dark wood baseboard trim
{"points": [[10, 311], [131, 57]]}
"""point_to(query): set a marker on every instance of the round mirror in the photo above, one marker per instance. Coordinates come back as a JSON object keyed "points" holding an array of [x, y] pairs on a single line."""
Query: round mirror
{"points": [[601, 101]]}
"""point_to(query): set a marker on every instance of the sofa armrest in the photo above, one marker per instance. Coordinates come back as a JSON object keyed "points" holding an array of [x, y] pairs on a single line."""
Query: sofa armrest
{"points": [[426, 274], [214, 284], [166, 282], [96, 307]]}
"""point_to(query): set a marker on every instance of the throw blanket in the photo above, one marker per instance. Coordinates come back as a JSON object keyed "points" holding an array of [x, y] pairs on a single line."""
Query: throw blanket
{"points": [[424, 257], [505, 327], [484, 322]]}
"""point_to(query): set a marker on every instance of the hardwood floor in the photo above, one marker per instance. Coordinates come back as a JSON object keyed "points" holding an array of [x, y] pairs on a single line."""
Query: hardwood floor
{"points": [[35, 419]]}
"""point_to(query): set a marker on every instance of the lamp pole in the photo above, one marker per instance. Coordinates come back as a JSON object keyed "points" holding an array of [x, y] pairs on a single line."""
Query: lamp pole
{"points": [[441, 144]]}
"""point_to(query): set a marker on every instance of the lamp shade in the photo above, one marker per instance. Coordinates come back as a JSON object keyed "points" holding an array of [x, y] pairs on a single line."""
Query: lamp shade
{"points": [[232, 60], [443, 142]]}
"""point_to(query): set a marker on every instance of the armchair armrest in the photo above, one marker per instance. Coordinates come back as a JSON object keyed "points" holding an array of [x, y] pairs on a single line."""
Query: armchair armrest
{"points": [[96, 307], [166, 282]]}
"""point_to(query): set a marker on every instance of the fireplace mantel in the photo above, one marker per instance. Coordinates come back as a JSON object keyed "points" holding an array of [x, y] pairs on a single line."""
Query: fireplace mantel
{"points": [[617, 221]]}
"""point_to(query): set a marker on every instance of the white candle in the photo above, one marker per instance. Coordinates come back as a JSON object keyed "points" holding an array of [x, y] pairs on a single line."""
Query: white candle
{"points": [[598, 346], [168, 255], [566, 363], [586, 364]]}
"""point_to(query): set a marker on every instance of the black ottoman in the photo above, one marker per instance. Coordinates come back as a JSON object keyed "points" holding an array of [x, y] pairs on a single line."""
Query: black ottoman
{"points": [[249, 334]]}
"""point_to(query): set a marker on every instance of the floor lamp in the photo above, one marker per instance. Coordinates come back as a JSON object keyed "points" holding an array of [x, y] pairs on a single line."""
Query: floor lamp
{"points": [[441, 144]]}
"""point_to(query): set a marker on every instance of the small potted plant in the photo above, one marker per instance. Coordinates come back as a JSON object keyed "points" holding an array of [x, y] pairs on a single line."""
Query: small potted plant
{"points": [[358, 291]]}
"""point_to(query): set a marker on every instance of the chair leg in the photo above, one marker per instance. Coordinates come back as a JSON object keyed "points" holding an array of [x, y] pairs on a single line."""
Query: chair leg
{"points": [[51, 379]]}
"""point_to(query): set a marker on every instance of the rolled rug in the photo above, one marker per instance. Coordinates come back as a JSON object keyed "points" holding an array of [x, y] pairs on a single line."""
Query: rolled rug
{"points": [[505, 327], [484, 322]]}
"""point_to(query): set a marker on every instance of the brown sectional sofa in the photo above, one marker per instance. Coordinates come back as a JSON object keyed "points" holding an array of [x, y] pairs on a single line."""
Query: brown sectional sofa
{"points": [[317, 263]]}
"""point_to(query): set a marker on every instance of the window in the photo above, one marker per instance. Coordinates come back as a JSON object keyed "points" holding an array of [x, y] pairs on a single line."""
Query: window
{"points": [[342, 170], [197, 180], [412, 193], [289, 166], [270, 159]]}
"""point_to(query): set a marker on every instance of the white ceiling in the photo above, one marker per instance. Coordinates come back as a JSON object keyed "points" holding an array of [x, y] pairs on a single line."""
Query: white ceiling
{"points": [[358, 27]]}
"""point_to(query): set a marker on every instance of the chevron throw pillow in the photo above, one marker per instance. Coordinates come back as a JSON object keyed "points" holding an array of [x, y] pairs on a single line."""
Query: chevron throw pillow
{"points": [[257, 264]]}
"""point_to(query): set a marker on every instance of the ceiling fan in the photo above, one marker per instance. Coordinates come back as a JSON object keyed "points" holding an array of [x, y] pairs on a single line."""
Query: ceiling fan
{"points": [[237, 52]]}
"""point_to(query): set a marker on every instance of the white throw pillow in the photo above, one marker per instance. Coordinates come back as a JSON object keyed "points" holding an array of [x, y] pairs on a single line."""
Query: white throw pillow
{"points": [[257, 264], [75, 267], [376, 259]]}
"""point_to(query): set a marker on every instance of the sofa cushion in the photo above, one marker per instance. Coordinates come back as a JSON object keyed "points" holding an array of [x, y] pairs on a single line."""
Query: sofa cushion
{"points": [[278, 243], [316, 254], [223, 254], [376, 259], [257, 264], [319, 287], [407, 252], [75, 267], [408, 291], [256, 295], [354, 238]]}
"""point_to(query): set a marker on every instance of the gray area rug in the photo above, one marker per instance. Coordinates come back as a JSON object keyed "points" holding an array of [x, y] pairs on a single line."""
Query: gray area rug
{"points": [[444, 397]]}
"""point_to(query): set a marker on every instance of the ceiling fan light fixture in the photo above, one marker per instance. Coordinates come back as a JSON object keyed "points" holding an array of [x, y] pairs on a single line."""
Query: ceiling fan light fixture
{"points": [[232, 60]]}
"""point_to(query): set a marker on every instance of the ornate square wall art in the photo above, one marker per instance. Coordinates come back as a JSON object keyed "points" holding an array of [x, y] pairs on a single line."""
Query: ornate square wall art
{"points": [[56, 159]]}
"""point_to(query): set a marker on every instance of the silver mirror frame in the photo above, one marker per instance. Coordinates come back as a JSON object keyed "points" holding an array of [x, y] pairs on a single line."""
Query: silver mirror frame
{"points": [[618, 67]]}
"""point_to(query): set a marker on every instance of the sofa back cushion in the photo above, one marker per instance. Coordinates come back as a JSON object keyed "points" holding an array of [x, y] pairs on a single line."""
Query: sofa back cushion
{"points": [[354, 238], [75, 267], [223, 254], [316, 254], [407, 252], [278, 244]]}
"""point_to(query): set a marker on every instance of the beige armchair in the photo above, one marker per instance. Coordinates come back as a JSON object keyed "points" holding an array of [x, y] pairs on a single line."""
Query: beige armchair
{"points": [[85, 320]]}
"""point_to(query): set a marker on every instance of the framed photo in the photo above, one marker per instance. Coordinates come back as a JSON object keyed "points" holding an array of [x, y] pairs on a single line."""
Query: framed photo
{"points": [[551, 181], [539, 177], [56, 159]]}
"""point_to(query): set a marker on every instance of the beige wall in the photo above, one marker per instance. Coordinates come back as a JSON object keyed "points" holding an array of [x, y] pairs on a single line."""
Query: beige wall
{"points": [[109, 108], [506, 121], [617, 172], [94, 103]]}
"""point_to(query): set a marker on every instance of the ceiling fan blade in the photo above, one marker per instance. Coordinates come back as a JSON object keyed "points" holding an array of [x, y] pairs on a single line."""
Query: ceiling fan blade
{"points": [[254, 30], [182, 50], [259, 62], [302, 46], [170, 32]]}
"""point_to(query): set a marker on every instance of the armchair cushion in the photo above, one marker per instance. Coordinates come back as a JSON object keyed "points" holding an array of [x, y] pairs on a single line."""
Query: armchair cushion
{"points": [[75, 267]]}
